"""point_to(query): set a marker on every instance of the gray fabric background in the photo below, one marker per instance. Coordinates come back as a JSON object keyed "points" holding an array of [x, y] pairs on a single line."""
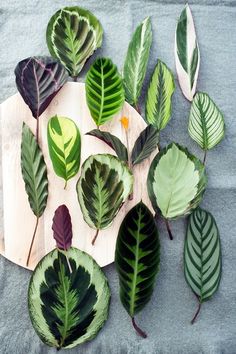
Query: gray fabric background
{"points": [[167, 317]]}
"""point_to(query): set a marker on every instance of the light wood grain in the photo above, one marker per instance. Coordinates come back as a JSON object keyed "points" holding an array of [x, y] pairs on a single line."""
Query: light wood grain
{"points": [[18, 219]]}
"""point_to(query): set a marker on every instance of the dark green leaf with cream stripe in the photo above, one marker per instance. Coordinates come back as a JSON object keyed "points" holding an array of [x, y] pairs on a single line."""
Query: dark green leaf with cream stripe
{"points": [[67, 309], [202, 255], [73, 34], [145, 144], [137, 259]]}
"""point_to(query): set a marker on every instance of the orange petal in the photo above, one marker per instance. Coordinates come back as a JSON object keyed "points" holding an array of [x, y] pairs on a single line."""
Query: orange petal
{"points": [[125, 122]]}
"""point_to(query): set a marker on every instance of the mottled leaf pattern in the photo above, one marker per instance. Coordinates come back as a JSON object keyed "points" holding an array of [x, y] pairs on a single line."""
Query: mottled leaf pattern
{"points": [[62, 228], [146, 143]]}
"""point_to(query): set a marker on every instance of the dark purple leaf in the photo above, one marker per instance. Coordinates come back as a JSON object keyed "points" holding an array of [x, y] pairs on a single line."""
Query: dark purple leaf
{"points": [[62, 228]]}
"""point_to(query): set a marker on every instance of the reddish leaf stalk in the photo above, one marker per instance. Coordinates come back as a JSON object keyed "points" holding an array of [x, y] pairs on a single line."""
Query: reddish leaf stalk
{"points": [[137, 329], [168, 229], [95, 237], [32, 241], [197, 312]]}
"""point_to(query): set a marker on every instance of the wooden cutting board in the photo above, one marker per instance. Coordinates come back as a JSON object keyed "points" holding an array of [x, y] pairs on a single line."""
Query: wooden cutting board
{"points": [[18, 219]]}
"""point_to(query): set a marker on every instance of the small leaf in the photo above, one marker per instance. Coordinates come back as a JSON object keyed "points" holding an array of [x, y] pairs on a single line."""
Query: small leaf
{"points": [[136, 61], [64, 144], [146, 143], [187, 54], [206, 122], [73, 34], [137, 259], [158, 101], [62, 228], [104, 90], [112, 141]]}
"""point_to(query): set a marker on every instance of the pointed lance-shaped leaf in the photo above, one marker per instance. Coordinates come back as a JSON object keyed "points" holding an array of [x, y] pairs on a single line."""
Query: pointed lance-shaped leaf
{"points": [[73, 34], [145, 144], [62, 228]]}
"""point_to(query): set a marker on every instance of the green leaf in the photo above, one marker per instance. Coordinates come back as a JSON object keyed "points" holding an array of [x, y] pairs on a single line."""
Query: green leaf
{"points": [[135, 65], [146, 143], [137, 258], [158, 101], [73, 34], [104, 90], [104, 185], [176, 182], [34, 172], [68, 309], [64, 144], [206, 122]]}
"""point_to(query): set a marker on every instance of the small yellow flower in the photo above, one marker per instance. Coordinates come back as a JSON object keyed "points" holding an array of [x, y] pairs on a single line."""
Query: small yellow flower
{"points": [[125, 122]]}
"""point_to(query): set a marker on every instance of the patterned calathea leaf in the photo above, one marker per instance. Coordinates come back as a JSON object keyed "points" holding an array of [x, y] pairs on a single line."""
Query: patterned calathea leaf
{"points": [[202, 256], [137, 260], [187, 54], [104, 90], [158, 100], [67, 309], [104, 185], [145, 144], [136, 61], [64, 144], [73, 34], [38, 79], [34, 173]]}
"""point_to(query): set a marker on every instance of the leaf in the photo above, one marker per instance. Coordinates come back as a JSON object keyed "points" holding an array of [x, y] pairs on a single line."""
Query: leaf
{"points": [[104, 90], [73, 34], [137, 259], [64, 144], [176, 182], [158, 101], [135, 65], [112, 141], [104, 185], [146, 143], [202, 255], [68, 309], [206, 122], [187, 54], [62, 228]]}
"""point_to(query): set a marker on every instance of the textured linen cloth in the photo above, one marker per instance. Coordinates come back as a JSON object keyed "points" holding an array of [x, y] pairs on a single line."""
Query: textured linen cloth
{"points": [[167, 317]]}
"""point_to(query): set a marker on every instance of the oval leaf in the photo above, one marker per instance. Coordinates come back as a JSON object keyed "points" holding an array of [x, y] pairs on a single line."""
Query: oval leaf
{"points": [[135, 65], [206, 122], [73, 34], [62, 228], [104, 90], [64, 144], [176, 182], [158, 101], [146, 143], [187, 54], [137, 258], [68, 309]]}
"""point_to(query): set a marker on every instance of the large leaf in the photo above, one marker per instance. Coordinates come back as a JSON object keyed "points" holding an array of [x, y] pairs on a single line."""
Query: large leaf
{"points": [[112, 141], [158, 101], [187, 54], [146, 143], [104, 185], [135, 65], [64, 144], [206, 122], [68, 309], [176, 182], [73, 34], [137, 259], [202, 255], [104, 90], [62, 228]]}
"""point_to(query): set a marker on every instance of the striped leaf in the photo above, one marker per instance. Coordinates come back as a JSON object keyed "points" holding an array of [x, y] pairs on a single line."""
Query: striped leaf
{"points": [[136, 61], [158, 100], [104, 90], [202, 255], [64, 144], [206, 122], [73, 34], [176, 182], [68, 309], [187, 54], [137, 259], [104, 185], [146, 143]]}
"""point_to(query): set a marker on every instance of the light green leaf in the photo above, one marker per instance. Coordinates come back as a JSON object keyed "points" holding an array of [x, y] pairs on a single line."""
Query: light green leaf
{"points": [[104, 90], [206, 122], [145, 144], [158, 101], [73, 34], [136, 61]]}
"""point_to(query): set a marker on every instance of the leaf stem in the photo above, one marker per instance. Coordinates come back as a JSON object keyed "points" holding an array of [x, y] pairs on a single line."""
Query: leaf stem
{"points": [[95, 237], [204, 157], [68, 263], [32, 241], [197, 312], [75, 78], [65, 185], [168, 229], [137, 329], [137, 107]]}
